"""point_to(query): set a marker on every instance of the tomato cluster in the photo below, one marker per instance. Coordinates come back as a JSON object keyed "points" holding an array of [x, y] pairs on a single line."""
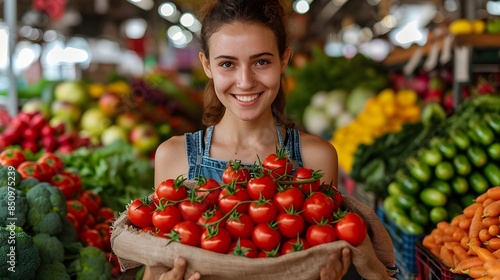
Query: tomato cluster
{"points": [[264, 211], [91, 220]]}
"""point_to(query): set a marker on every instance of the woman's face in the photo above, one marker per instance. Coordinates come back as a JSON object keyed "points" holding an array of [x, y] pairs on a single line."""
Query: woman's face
{"points": [[246, 68]]}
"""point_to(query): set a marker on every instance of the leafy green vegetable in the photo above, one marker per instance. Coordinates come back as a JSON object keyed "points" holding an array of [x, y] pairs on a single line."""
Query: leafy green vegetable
{"points": [[26, 258], [115, 172]]}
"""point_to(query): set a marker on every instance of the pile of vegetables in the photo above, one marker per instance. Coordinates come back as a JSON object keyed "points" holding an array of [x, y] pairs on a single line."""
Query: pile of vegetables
{"points": [[470, 244], [383, 113], [270, 213], [444, 175], [61, 231]]}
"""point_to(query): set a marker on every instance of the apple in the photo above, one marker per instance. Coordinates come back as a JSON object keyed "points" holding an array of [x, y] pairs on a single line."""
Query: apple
{"points": [[49, 143], [64, 149], [33, 106], [60, 125], [30, 145], [38, 121], [128, 120], [94, 121], [47, 130], [65, 139], [30, 133], [109, 103], [66, 110], [144, 137], [114, 133], [71, 92]]}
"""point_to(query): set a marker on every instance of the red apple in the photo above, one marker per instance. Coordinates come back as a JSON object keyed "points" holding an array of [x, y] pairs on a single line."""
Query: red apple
{"points": [[30, 145], [144, 138], [128, 120], [48, 130], [49, 143], [30, 133], [38, 121], [109, 103], [65, 139]]}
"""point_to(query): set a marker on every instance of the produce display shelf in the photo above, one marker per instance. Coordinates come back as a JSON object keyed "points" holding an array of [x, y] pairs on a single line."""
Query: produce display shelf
{"points": [[430, 268], [404, 247]]}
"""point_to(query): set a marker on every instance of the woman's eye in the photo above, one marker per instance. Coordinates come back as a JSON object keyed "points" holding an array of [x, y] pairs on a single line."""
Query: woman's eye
{"points": [[262, 62], [226, 64]]}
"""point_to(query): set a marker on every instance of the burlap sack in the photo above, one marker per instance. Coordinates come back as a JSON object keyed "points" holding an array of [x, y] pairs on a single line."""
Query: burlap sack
{"points": [[373, 258]]}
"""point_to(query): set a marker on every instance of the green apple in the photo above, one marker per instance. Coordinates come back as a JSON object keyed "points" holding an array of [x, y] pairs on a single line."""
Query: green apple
{"points": [[71, 91], [66, 110], [33, 106], [94, 121], [114, 133], [145, 138]]}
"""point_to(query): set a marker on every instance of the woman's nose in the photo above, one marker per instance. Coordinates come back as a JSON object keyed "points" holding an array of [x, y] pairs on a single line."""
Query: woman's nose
{"points": [[246, 78]]}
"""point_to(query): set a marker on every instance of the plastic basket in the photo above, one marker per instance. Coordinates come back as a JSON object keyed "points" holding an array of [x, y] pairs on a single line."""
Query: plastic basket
{"points": [[431, 268], [404, 246]]}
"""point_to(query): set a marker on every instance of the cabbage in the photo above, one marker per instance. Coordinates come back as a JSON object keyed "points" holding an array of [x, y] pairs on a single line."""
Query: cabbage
{"points": [[315, 120]]}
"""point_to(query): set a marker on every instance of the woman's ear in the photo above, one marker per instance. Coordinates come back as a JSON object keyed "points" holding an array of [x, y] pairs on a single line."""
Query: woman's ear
{"points": [[286, 58], [206, 64]]}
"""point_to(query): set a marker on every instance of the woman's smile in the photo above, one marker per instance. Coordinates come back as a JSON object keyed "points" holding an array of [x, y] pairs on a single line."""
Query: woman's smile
{"points": [[246, 98]]}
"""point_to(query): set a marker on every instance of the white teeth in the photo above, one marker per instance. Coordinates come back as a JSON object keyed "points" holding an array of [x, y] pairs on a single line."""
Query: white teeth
{"points": [[246, 98]]}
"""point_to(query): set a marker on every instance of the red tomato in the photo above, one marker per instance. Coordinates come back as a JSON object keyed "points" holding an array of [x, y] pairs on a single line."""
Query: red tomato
{"points": [[77, 181], [64, 183], [352, 228], [91, 237], [208, 189], [89, 221], [30, 169], [218, 240], [264, 186], [266, 237], [337, 197], [192, 211], [240, 226], [294, 245], [12, 157], [290, 225], [236, 172], [91, 200], [150, 230], [105, 214], [73, 221], [291, 197], [172, 189], [53, 161], [319, 234], [166, 217], [140, 213], [212, 216], [244, 248], [79, 210], [113, 262], [262, 212], [269, 254], [104, 231], [310, 179], [186, 232], [317, 207], [47, 171], [230, 196], [278, 164]]}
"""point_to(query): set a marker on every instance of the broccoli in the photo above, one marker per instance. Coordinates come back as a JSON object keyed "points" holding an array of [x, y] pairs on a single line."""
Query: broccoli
{"points": [[90, 265], [49, 248], [68, 232], [9, 176], [28, 183], [53, 270], [47, 208], [13, 206], [19, 257]]}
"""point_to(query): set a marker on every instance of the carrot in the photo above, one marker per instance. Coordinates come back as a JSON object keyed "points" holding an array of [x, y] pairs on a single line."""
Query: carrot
{"points": [[429, 241], [448, 232], [492, 210], [460, 253], [487, 277], [463, 243], [489, 221], [471, 209], [490, 264], [458, 235], [496, 253], [494, 230], [450, 244], [446, 256], [473, 242], [456, 220], [465, 223], [484, 235], [494, 192], [493, 244], [477, 272], [481, 198], [443, 225], [476, 223], [483, 253], [467, 263], [488, 201]]}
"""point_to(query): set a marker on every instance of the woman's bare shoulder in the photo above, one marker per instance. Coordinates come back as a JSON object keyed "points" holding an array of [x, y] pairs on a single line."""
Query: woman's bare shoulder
{"points": [[171, 159], [173, 146], [319, 154]]}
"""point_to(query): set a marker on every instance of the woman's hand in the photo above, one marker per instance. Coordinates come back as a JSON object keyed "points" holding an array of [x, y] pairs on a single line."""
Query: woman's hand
{"points": [[336, 265], [176, 273]]}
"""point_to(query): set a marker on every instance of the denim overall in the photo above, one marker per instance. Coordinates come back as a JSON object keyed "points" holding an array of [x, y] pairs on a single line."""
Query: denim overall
{"points": [[200, 162]]}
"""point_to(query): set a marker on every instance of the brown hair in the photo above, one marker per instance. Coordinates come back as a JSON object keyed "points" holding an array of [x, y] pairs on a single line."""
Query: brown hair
{"points": [[269, 13]]}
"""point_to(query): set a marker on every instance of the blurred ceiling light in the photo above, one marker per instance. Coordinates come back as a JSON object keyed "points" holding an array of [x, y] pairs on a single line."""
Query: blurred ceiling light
{"points": [[408, 34], [187, 20], [377, 49], [135, 28], [339, 2], [143, 4], [25, 55], [50, 35], [493, 8], [301, 6], [80, 43], [174, 32], [196, 27], [389, 21], [167, 9], [4, 46], [450, 5], [373, 2]]}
